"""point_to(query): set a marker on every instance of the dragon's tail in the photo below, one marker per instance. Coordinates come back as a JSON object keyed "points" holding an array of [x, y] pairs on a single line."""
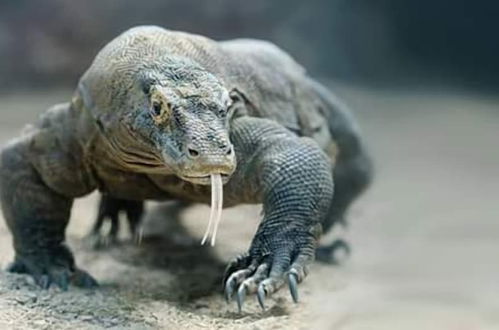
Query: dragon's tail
{"points": [[353, 169], [342, 125]]}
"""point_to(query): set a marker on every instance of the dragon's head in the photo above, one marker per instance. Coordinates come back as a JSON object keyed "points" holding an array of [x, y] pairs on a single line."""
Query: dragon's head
{"points": [[173, 118]]}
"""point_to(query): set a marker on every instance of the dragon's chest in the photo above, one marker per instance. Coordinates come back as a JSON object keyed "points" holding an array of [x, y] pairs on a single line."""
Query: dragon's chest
{"points": [[179, 189], [139, 186]]}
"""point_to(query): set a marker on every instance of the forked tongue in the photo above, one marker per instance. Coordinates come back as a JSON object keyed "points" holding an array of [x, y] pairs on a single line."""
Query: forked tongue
{"points": [[216, 208]]}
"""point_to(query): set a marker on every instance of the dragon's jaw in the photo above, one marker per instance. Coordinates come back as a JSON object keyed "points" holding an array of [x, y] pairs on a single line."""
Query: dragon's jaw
{"points": [[205, 180]]}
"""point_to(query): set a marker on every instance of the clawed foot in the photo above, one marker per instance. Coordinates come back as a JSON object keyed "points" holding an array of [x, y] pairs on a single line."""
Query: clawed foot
{"points": [[264, 275], [56, 269], [335, 253], [100, 241]]}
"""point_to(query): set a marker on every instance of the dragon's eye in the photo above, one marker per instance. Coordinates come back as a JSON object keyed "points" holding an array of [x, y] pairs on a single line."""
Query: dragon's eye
{"points": [[156, 109], [160, 111], [160, 107]]}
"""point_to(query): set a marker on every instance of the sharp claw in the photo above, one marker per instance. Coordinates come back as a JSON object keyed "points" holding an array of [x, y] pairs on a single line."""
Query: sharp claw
{"points": [[261, 296], [90, 283], [63, 283], [44, 282], [84, 280], [241, 294], [229, 291], [16, 267], [293, 288]]}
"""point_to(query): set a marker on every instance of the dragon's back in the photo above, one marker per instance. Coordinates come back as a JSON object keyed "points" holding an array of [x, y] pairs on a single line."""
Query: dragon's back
{"points": [[272, 82]]}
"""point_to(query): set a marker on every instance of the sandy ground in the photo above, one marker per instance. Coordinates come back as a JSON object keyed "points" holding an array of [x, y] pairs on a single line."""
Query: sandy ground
{"points": [[425, 238]]}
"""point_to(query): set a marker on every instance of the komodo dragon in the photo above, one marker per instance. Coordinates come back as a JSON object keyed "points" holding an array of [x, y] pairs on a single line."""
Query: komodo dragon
{"points": [[169, 115]]}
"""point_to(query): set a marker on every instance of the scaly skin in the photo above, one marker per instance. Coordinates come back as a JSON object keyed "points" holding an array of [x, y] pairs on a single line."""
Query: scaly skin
{"points": [[154, 116]]}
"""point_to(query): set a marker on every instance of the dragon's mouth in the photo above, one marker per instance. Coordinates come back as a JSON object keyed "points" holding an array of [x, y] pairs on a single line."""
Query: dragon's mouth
{"points": [[204, 179]]}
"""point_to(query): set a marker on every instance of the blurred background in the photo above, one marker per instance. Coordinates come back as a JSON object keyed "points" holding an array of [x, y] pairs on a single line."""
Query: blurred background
{"points": [[381, 42], [422, 79]]}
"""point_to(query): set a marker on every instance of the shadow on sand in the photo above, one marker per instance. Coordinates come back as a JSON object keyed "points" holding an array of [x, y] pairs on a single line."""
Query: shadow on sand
{"points": [[193, 271], [166, 245]]}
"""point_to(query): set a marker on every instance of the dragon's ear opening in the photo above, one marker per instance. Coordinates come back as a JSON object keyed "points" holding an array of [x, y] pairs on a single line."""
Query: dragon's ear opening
{"points": [[239, 104], [82, 99], [84, 96], [160, 107]]}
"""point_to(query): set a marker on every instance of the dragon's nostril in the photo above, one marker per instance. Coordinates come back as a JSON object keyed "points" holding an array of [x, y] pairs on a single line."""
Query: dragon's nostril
{"points": [[193, 152], [226, 148]]}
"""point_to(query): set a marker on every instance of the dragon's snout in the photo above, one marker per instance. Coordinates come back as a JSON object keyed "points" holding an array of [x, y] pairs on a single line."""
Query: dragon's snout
{"points": [[201, 161], [194, 151]]}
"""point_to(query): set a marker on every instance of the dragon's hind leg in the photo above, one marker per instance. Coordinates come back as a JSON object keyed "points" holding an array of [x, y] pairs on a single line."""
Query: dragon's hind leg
{"points": [[110, 209], [352, 171], [352, 176], [134, 213]]}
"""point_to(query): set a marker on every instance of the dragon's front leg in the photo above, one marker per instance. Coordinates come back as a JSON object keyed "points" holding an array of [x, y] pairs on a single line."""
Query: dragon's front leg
{"points": [[37, 215], [291, 176]]}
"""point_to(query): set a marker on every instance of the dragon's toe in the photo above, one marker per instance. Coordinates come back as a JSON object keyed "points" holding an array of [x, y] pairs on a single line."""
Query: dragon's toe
{"points": [[335, 253], [82, 279], [56, 268]]}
